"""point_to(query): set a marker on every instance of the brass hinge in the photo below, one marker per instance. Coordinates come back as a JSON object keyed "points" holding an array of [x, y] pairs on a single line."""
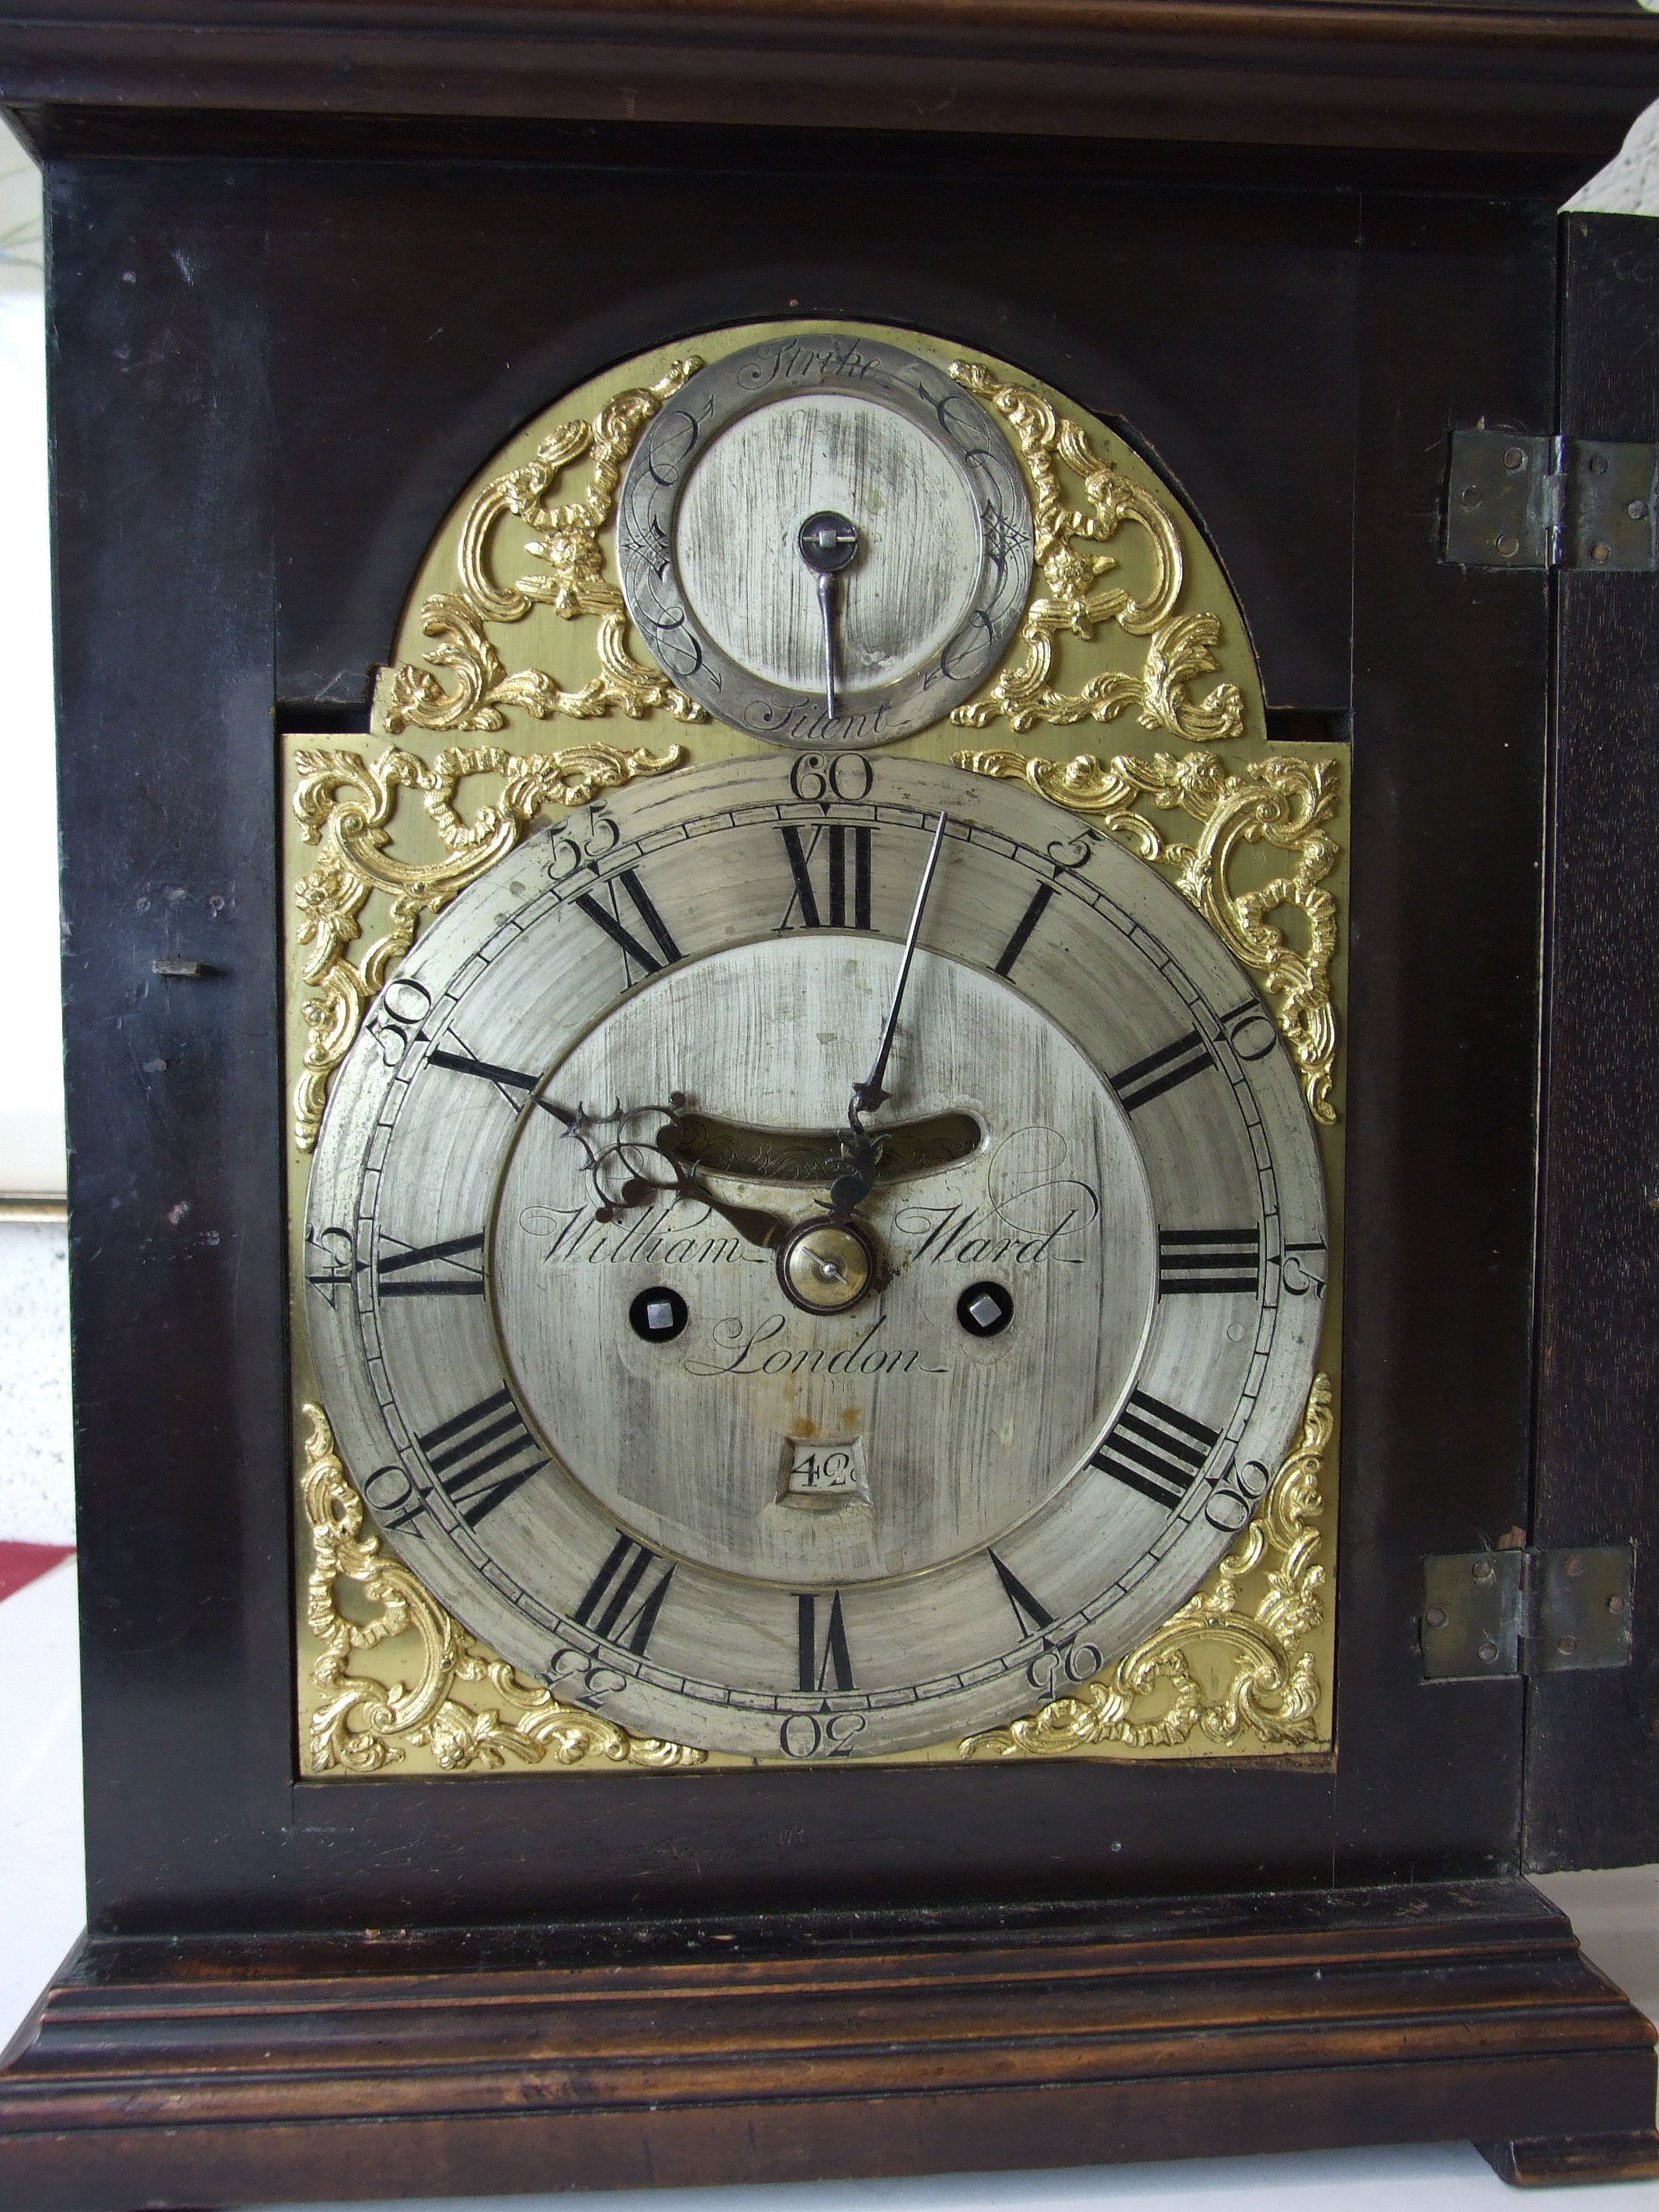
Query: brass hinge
{"points": [[1525, 502], [1494, 1613]]}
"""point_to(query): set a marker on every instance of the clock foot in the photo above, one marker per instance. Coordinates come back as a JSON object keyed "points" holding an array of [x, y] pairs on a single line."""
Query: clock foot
{"points": [[1549, 2161]]}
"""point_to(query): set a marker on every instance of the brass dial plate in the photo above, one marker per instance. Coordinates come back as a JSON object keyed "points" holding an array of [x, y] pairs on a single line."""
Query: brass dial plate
{"points": [[513, 627], [612, 1524]]}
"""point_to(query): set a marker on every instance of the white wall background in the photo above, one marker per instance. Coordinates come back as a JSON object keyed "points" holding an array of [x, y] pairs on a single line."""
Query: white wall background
{"points": [[36, 1499], [31, 1079], [36, 1495]]}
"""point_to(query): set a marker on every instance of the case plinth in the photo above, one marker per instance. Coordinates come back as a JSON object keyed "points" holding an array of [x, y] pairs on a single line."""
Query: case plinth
{"points": [[234, 2070]]}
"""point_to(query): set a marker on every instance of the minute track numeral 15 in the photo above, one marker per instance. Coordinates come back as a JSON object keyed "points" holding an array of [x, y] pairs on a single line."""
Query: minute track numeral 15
{"points": [[483, 1456], [1155, 1449], [830, 867]]}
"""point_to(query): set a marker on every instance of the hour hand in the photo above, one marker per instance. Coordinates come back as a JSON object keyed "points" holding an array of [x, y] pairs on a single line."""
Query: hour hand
{"points": [[620, 1162], [860, 1158], [828, 542], [754, 1224]]}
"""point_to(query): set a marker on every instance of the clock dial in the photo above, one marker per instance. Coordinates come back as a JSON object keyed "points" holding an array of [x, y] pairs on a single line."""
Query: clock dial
{"points": [[769, 1407], [825, 539]]}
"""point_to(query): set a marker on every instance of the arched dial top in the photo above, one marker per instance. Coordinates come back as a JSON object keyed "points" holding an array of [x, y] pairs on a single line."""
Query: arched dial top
{"points": [[772, 1430], [751, 610]]}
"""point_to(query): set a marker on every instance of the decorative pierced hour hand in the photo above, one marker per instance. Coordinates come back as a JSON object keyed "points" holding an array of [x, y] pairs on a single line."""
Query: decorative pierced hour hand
{"points": [[754, 1224], [828, 542], [619, 1166]]}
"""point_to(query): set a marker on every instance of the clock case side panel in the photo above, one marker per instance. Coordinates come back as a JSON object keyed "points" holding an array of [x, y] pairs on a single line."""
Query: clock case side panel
{"points": [[197, 1820], [162, 447], [1592, 1782]]}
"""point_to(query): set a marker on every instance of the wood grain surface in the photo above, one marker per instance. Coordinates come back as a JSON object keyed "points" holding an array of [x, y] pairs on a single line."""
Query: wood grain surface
{"points": [[1325, 73], [1593, 1740], [789, 2048]]}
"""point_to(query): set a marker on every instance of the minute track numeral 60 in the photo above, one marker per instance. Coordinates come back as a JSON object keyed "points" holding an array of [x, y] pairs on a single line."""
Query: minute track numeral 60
{"points": [[820, 778]]}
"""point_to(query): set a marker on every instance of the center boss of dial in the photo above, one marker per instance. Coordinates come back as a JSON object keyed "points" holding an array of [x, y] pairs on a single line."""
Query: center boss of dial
{"points": [[827, 1266]]}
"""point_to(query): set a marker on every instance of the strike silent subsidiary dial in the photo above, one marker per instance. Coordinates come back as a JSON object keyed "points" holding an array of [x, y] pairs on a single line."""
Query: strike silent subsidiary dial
{"points": [[825, 539]]}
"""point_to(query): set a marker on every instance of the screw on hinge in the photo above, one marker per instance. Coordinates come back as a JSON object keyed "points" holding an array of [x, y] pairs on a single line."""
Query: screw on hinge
{"points": [[1489, 1615], [1526, 501]]}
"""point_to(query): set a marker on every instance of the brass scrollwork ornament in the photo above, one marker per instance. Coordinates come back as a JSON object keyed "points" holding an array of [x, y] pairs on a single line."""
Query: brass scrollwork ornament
{"points": [[1215, 1667], [573, 581], [1285, 802], [466, 1706], [1080, 591], [345, 805]]}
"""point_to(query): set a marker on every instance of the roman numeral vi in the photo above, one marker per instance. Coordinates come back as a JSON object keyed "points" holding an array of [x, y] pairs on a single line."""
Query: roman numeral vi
{"points": [[825, 1663]]}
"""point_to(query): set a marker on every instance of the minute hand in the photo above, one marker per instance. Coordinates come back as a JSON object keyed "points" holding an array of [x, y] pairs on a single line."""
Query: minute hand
{"points": [[869, 1094]]}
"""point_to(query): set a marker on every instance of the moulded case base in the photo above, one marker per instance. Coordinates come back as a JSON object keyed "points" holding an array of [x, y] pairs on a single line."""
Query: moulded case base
{"points": [[224, 2070]]}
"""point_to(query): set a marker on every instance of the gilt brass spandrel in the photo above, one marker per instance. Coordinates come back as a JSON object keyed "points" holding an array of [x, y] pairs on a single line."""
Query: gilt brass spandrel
{"points": [[1280, 802], [1083, 495], [1238, 1662], [343, 803], [450, 1698], [571, 575]]}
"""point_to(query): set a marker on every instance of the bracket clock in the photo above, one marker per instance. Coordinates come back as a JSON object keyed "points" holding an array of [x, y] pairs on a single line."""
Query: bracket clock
{"points": [[860, 1142]]}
